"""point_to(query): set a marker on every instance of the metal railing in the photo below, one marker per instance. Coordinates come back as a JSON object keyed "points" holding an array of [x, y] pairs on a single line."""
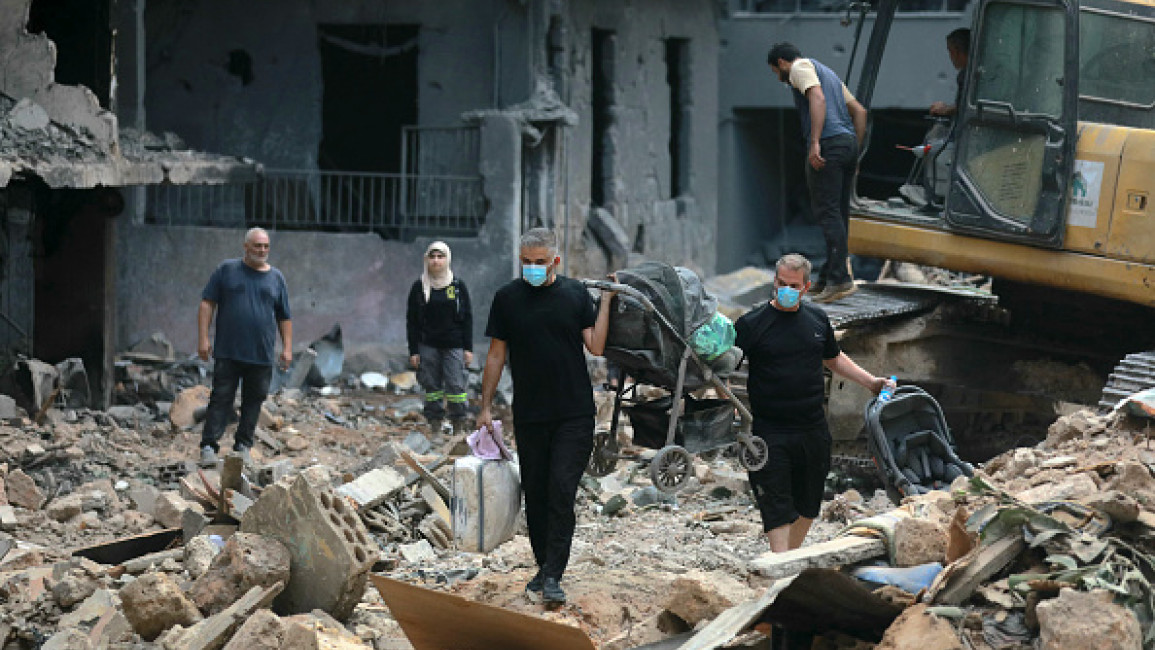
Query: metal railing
{"points": [[397, 206], [839, 6]]}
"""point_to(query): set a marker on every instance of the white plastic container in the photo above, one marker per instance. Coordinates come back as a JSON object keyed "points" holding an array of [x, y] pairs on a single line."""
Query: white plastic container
{"points": [[486, 503]]}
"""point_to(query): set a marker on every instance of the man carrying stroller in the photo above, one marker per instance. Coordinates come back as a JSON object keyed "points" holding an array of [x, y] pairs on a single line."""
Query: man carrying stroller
{"points": [[788, 342], [543, 320]]}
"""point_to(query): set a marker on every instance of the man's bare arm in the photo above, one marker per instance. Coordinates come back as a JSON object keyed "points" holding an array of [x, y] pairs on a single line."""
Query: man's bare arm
{"points": [[846, 367], [595, 337], [494, 364], [286, 329], [858, 116], [817, 103], [204, 319]]}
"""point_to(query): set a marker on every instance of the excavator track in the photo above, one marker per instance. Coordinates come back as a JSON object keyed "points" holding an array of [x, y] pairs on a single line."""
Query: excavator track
{"points": [[1134, 373]]}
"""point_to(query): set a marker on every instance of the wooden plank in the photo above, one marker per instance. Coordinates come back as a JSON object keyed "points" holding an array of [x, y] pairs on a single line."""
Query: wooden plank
{"points": [[215, 631], [430, 495], [836, 552], [734, 621], [981, 565], [435, 620], [141, 564], [426, 475]]}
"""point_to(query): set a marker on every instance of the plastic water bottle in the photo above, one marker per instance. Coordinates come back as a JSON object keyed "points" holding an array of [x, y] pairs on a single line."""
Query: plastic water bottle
{"points": [[887, 392]]}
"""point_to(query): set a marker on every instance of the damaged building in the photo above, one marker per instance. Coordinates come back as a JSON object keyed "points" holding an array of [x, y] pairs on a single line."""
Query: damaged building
{"points": [[385, 125], [66, 172]]}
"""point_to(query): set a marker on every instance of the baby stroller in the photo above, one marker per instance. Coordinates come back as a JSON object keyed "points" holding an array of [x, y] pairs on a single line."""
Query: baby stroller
{"points": [[911, 445], [658, 308]]}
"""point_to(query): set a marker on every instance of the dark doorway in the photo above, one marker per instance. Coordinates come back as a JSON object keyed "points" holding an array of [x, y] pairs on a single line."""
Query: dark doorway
{"points": [[602, 81], [678, 80], [82, 33], [74, 280], [370, 79]]}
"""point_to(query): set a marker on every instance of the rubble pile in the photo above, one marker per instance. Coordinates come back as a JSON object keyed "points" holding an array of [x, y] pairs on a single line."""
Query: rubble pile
{"points": [[111, 537]]}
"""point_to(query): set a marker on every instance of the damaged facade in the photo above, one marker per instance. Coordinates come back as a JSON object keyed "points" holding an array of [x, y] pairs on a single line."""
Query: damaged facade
{"points": [[385, 125], [62, 160]]}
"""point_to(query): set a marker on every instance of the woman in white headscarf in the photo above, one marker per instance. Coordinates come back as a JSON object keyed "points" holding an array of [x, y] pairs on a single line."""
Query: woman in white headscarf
{"points": [[439, 324]]}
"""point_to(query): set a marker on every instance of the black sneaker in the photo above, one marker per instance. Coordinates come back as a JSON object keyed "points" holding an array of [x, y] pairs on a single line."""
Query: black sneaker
{"points": [[533, 588], [551, 592]]}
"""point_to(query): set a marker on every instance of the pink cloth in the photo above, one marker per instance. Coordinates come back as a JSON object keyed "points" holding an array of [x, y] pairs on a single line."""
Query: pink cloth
{"points": [[488, 444]]}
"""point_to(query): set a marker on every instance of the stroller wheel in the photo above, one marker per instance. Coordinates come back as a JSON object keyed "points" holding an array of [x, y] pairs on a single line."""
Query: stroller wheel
{"points": [[670, 468], [753, 453], [604, 458]]}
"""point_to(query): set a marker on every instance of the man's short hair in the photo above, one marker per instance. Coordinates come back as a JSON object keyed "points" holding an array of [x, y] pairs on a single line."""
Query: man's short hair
{"points": [[794, 262], [540, 238], [253, 231], [960, 40], [785, 51]]}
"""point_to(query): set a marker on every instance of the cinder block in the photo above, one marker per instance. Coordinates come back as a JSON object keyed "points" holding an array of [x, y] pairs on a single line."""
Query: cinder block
{"points": [[331, 550]]}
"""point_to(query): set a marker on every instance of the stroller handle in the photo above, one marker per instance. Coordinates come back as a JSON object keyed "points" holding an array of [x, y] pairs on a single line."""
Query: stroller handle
{"points": [[626, 289]]}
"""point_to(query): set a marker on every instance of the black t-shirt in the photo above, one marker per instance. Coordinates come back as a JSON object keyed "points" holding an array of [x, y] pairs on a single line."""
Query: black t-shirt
{"points": [[542, 328], [786, 350]]}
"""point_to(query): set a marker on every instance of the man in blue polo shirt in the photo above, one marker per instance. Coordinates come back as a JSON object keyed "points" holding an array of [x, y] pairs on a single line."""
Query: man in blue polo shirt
{"points": [[833, 125], [251, 302]]}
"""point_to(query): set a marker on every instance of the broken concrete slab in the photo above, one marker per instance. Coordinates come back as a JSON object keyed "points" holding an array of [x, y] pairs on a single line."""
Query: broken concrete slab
{"points": [[919, 541], [423, 614], [199, 552], [154, 602], [246, 561], [212, 633], [1071, 486], [918, 629], [373, 488], [313, 634], [331, 550], [100, 617], [836, 552], [263, 630], [1076, 620], [22, 490], [698, 596], [183, 412], [170, 507]]}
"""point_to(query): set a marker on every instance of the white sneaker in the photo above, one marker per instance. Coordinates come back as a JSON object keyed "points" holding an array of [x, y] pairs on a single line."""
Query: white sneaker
{"points": [[208, 456]]}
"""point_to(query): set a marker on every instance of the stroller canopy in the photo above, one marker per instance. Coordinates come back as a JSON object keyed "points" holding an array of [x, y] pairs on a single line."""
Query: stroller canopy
{"points": [[675, 291]]}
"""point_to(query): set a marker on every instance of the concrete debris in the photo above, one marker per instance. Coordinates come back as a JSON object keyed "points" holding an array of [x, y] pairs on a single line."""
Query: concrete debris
{"points": [[22, 491], [262, 631], [918, 541], [329, 545], [918, 629], [188, 407], [373, 488], [1078, 620], [154, 603], [246, 561]]}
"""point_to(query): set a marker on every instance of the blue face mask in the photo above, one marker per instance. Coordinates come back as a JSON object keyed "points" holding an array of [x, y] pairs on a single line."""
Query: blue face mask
{"points": [[787, 297], [535, 274]]}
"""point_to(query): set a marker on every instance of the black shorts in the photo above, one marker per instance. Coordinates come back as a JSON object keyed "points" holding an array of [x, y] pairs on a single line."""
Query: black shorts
{"points": [[792, 483]]}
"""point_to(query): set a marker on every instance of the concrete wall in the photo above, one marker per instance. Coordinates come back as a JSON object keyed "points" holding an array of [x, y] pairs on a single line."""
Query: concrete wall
{"points": [[358, 280], [682, 231], [762, 203], [276, 118]]}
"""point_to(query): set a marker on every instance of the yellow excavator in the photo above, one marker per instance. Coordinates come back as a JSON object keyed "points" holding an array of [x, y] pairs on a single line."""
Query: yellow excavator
{"points": [[1046, 185]]}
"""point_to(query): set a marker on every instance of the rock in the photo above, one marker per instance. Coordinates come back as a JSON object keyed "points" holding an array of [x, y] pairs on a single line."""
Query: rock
{"points": [[100, 614], [65, 508], [22, 491], [27, 115], [143, 497], [419, 552], [374, 487], [182, 414], [306, 633], [418, 443], [1072, 486], [1132, 478], [1077, 620], [650, 495], [852, 496], [1080, 424], [296, 442], [736, 482], [918, 541], [128, 416], [1122, 508], [198, 555], [68, 640], [330, 547], [8, 520], [614, 505], [917, 629], [153, 603], [1021, 460], [247, 561], [262, 631], [700, 596], [87, 521], [8, 408], [403, 382], [72, 589], [170, 507]]}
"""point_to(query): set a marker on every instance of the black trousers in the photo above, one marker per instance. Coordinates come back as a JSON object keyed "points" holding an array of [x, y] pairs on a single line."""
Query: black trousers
{"points": [[254, 382], [553, 456], [830, 191]]}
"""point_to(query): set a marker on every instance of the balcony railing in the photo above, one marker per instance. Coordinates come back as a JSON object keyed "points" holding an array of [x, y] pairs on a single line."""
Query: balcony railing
{"points": [[396, 206]]}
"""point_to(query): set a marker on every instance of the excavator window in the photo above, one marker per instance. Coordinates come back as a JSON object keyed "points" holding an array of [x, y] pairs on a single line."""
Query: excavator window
{"points": [[1116, 68]]}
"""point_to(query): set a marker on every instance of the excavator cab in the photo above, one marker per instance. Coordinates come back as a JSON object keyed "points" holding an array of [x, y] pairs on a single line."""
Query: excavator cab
{"points": [[1017, 129]]}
